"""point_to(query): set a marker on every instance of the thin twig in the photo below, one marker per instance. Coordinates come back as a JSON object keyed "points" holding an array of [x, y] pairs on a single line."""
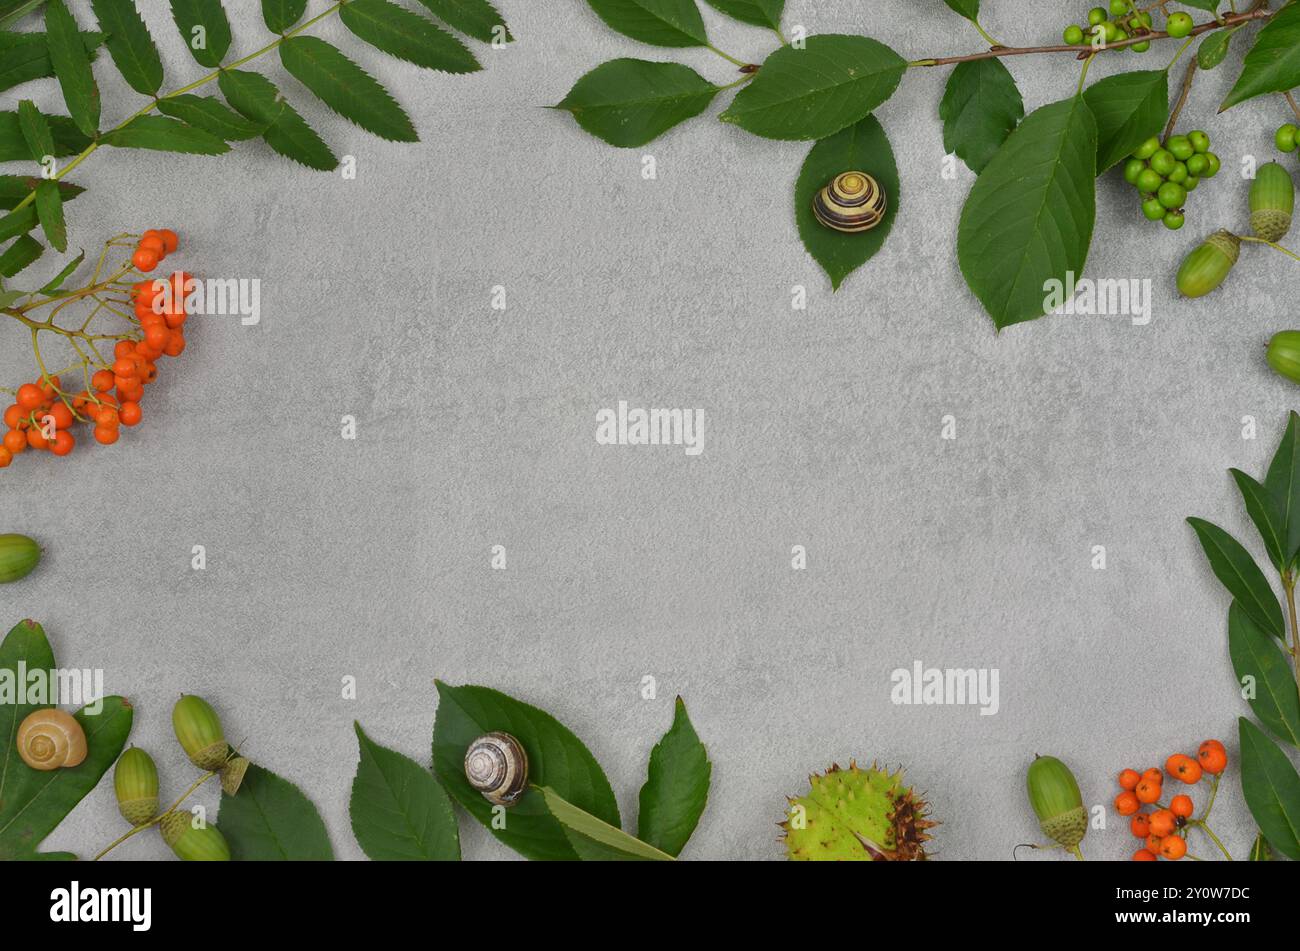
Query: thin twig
{"points": [[1182, 100]]}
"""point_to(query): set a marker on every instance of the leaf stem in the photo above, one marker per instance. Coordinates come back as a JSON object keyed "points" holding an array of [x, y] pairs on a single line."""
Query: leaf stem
{"points": [[1210, 832], [1182, 97], [1288, 585], [992, 42], [727, 56], [1271, 244], [1295, 106]]}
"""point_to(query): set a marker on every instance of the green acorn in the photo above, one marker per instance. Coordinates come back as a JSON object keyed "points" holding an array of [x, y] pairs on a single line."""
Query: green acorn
{"points": [[202, 844], [135, 780], [1209, 264], [232, 774], [198, 728], [1055, 796], [1284, 354], [19, 556], [1272, 200]]}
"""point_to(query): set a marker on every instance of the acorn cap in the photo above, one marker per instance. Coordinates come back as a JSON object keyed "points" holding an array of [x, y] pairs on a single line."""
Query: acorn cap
{"points": [[198, 728], [204, 843], [232, 775]]}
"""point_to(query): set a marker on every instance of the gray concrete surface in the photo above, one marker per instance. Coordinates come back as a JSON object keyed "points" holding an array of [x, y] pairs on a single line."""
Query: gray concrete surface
{"points": [[370, 559]]}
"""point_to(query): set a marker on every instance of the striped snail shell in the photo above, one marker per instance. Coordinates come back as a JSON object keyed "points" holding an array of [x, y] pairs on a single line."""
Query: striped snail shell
{"points": [[51, 738], [497, 766], [852, 203]]}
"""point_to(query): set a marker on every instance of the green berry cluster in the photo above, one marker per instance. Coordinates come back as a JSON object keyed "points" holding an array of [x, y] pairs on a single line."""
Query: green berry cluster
{"points": [[1121, 21], [1165, 172], [1287, 137]]}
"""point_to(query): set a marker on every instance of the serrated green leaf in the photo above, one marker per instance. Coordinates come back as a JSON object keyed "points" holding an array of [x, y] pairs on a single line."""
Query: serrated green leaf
{"points": [[270, 820], [256, 98], [11, 11], [1271, 788], [72, 67], [68, 139], [57, 280], [206, 113], [19, 255], [49, 209], [861, 147], [406, 35], [814, 92], [970, 9], [1029, 218], [1256, 655], [26, 56], [981, 107], [281, 15], [1283, 481], [1266, 514], [36, 131], [32, 802], [204, 28], [675, 23], [346, 88], [1210, 6], [130, 45], [754, 12], [476, 18], [594, 840], [629, 102], [676, 789], [18, 222], [556, 759], [16, 188], [398, 810], [1273, 63], [8, 297], [164, 135], [1214, 48], [1234, 567], [1129, 108]]}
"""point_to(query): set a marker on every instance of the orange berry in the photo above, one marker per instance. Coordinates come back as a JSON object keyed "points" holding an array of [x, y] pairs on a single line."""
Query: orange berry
{"points": [[151, 242], [1154, 774], [6, 457], [30, 396], [106, 435], [130, 414], [1126, 803], [176, 346], [1163, 822], [123, 349], [1212, 757], [13, 416], [145, 259], [170, 240], [61, 415], [36, 439], [63, 443], [1185, 769], [157, 336], [124, 369], [15, 441], [1182, 806], [1140, 825], [1173, 848], [1147, 792], [102, 380], [1153, 843], [1129, 778], [1144, 855], [106, 417]]}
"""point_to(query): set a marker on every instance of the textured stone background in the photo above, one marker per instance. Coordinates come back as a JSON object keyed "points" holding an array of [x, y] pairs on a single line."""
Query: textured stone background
{"points": [[329, 558]]}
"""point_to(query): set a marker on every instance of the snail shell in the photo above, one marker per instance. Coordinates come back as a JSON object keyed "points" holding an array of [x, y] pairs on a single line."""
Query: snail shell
{"points": [[51, 738], [853, 202], [497, 766]]}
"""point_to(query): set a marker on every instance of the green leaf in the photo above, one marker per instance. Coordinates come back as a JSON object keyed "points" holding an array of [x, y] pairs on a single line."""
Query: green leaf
{"points": [[8, 297], [18, 222], [970, 9], [204, 28], [1273, 63], [1210, 6], [981, 107], [257, 99], [1267, 515], [1272, 789], [130, 45], [657, 22], [68, 139], [594, 840], [1256, 655], [57, 280], [1234, 567], [476, 18], [1129, 108], [815, 92], [11, 11], [1214, 48], [270, 820], [1028, 220], [401, 33], [19, 255], [556, 759], [281, 15], [16, 188], [209, 115], [26, 56], [861, 147], [72, 67], [164, 135], [629, 102], [399, 812], [1283, 481], [676, 787], [32, 802], [346, 88], [36, 131], [765, 13], [49, 209]]}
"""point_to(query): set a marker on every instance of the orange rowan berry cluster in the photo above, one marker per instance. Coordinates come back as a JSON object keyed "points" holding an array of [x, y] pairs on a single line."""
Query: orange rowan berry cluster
{"points": [[1164, 829], [43, 413]]}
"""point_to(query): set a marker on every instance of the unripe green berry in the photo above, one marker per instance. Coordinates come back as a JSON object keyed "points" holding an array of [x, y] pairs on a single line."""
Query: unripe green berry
{"points": [[1272, 201], [1179, 174], [1148, 181], [1097, 15], [1213, 168], [1284, 354], [1163, 162], [1172, 195], [1073, 35], [202, 844], [1189, 183], [1287, 137], [1209, 264], [1197, 164], [135, 781], [1173, 220], [198, 728], [1118, 8], [1113, 33], [1141, 47], [1181, 146], [1133, 170], [1200, 141], [1179, 25], [1148, 148], [1153, 210]]}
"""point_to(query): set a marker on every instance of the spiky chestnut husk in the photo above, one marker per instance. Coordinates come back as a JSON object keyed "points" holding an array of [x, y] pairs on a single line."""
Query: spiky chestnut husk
{"points": [[857, 815], [1272, 201], [1055, 796], [135, 781], [198, 728], [190, 844], [232, 774]]}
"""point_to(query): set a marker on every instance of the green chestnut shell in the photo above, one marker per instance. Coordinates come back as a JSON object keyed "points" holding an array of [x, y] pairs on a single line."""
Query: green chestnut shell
{"points": [[1272, 201], [1209, 265], [1284, 354], [1054, 794], [135, 780], [190, 844], [19, 556], [198, 728]]}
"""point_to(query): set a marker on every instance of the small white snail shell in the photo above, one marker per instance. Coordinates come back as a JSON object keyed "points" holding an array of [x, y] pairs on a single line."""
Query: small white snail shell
{"points": [[51, 738], [497, 766], [852, 203]]}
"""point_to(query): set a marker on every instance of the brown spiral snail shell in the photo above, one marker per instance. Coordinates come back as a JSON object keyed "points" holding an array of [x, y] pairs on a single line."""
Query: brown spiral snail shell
{"points": [[51, 738], [497, 766], [852, 203]]}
